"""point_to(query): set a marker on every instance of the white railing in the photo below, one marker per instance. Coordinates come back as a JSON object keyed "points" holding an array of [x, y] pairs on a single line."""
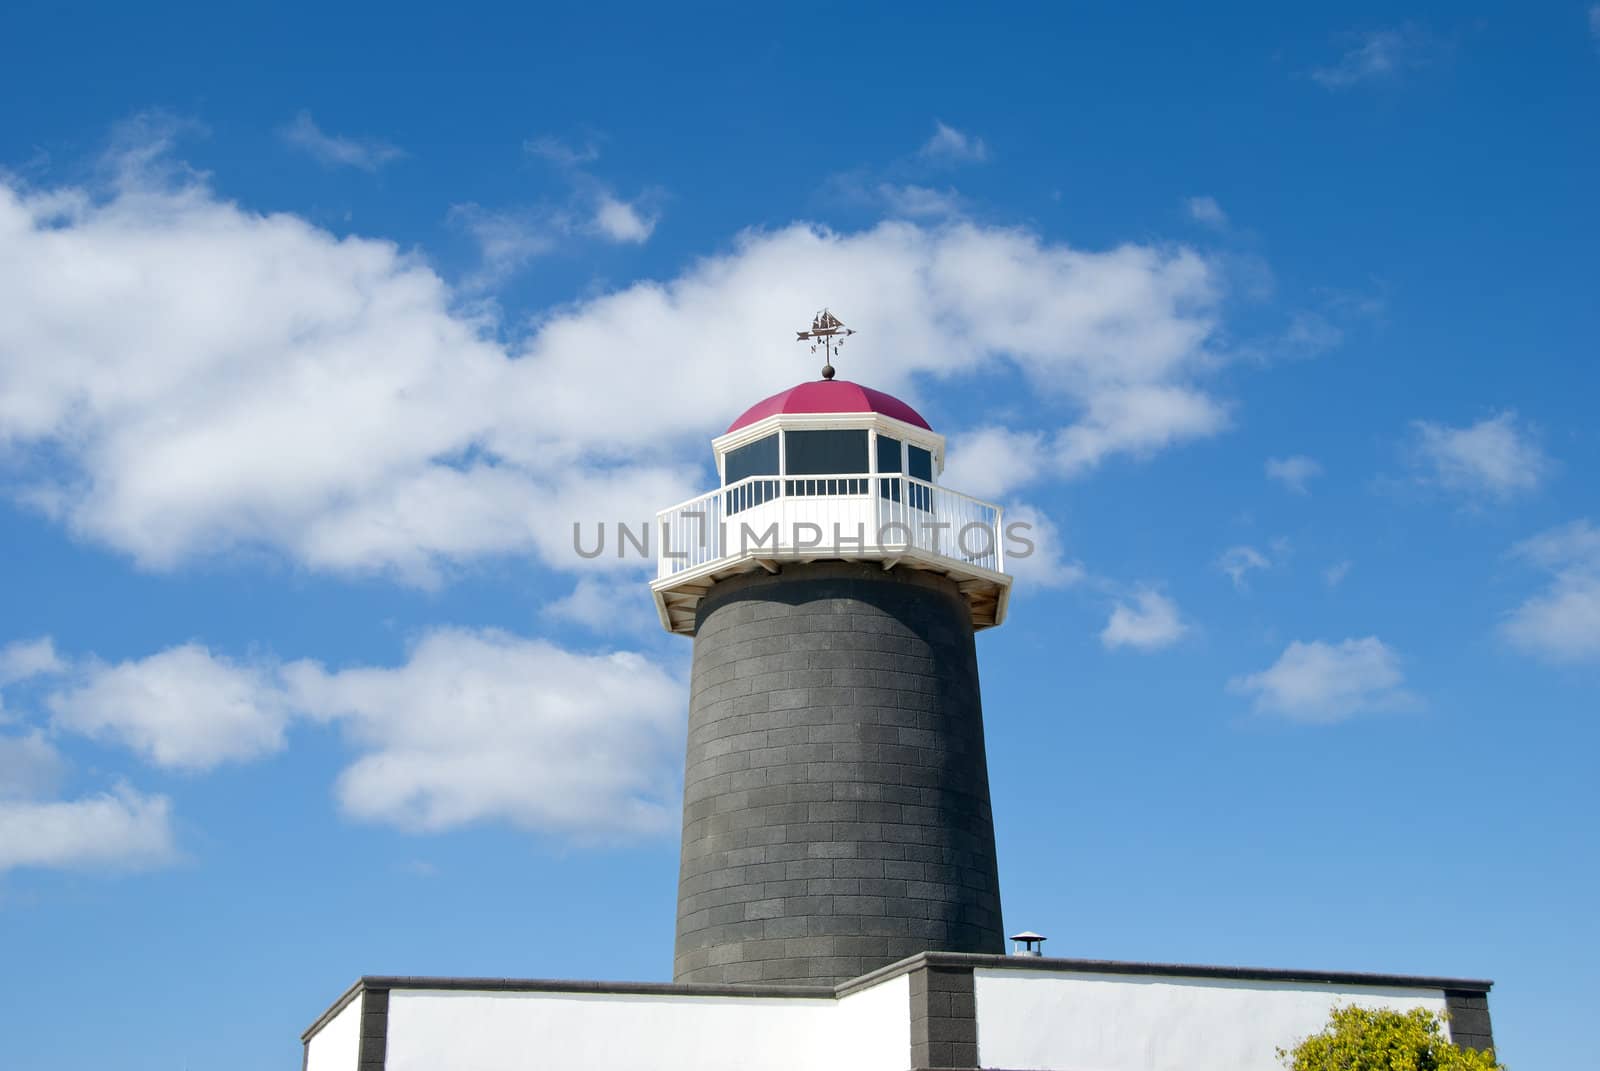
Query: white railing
{"points": [[845, 516]]}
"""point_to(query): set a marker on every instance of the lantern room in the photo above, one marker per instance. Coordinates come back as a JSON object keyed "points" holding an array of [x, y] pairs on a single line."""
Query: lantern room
{"points": [[829, 470], [822, 439]]}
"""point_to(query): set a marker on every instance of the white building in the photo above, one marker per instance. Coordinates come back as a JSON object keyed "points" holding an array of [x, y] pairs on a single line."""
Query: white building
{"points": [[935, 1010]]}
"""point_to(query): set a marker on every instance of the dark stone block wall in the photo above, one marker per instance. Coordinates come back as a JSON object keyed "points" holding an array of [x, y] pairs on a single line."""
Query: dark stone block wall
{"points": [[836, 800], [1469, 1019]]}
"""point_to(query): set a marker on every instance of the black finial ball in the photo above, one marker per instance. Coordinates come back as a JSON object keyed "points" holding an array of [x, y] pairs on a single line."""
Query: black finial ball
{"points": [[827, 371]]}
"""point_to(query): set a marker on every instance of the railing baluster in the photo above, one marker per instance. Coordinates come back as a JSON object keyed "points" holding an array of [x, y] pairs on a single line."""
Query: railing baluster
{"points": [[900, 500]]}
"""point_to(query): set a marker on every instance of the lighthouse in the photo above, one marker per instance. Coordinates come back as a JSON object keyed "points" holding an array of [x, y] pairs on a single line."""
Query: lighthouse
{"points": [[836, 809]]}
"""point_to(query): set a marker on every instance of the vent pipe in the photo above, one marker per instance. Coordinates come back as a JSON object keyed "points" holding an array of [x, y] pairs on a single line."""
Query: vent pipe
{"points": [[1027, 943]]}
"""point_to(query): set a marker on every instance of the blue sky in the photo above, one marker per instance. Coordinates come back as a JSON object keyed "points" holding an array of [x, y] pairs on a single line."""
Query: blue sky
{"points": [[318, 329]]}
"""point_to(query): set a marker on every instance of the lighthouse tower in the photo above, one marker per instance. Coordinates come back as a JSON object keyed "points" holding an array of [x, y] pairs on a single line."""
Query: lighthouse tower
{"points": [[836, 797]]}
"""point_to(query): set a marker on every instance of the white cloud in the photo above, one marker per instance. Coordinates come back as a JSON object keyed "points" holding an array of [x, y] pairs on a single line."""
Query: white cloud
{"points": [[608, 216], [481, 726], [1495, 458], [366, 154], [991, 462], [1150, 623], [1043, 561], [1378, 56], [946, 300], [29, 766], [1293, 472], [203, 378], [558, 152], [123, 829], [948, 143], [218, 379], [1334, 575], [488, 509], [120, 830], [910, 201], [1562, 622], [1319, 682], [1137, 420], [24, 659], [184, 708], [1238, 561], [474, 726], [604, 606], [1206, 210], [506, 240], [621, 221], [1309, 334]]}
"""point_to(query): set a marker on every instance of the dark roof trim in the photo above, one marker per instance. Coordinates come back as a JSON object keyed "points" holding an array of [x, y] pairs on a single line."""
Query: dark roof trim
{"points": [[1162, 970], [922, 959], [555, 985], [333, 1009], [552, 985]]}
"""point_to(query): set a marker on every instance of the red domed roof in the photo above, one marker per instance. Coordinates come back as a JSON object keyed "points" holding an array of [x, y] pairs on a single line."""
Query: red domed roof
{"points": [[830, 396]]}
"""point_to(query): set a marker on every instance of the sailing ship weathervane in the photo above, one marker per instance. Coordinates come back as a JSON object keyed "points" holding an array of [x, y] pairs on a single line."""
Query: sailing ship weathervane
{"points": [[829, 333]]}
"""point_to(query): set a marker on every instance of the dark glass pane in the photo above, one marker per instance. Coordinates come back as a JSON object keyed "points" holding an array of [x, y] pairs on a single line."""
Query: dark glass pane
{"points": [[759, 458], [840, 485], [753, 493], [888, 454], [920, 463], [823, 452]]}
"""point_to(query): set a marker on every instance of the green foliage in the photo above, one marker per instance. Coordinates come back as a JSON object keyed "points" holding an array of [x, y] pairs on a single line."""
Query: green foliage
{"points": [[1374, 1039]]}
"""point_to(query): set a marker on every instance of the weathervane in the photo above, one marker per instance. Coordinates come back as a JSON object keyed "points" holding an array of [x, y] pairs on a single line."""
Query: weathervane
{"points": [[827, 332]]}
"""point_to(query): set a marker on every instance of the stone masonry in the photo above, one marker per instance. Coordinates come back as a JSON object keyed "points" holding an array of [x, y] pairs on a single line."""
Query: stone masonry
{"points": [[836, 798]]}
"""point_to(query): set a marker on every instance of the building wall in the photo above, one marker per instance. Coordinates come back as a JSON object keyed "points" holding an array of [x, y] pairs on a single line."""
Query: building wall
{"points": [[836, 799], [524, 1031], [337, 1045], [1027, 1019]]}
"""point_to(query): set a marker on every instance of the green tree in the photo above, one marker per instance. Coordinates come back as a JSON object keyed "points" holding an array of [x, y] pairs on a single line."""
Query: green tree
{"points": [[1376, 1039]]}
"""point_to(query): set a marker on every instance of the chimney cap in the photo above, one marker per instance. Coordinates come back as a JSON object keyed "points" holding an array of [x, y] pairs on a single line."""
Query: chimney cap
{"points": [[1027, 943]]}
